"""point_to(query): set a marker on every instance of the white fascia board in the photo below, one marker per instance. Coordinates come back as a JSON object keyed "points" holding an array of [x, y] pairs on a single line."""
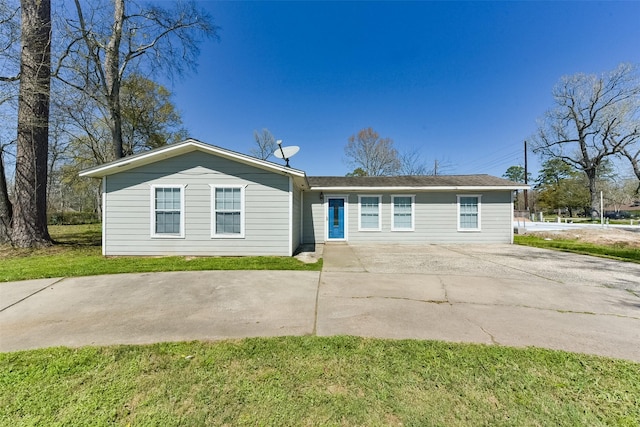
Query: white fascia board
{"points": [[426, 188], [172, 150]]}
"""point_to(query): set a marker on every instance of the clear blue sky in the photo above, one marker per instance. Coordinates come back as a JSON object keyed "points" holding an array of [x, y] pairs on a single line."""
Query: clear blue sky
{"points": [[462, 82]]}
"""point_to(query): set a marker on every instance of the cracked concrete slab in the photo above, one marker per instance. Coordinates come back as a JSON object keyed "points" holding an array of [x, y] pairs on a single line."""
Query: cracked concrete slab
{"points": [[561, 267], [611, 336], [416, 287], [395, 318], [542, 294], [13, 292]]}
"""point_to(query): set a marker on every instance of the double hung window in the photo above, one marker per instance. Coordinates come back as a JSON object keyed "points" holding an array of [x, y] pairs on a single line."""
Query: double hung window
{"points": [[227, 212], [402, 213], [369, 213], [468, 213], [167, 211]]}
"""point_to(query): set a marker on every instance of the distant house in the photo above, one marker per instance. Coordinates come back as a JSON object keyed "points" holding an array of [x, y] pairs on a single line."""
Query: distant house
{"points": [[193, 198]]}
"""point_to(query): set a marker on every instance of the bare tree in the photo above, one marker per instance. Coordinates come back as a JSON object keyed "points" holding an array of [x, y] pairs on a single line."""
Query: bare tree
{"points": [[29, 227], [374, 155], [633, 154], [9, 37], [411, 163], [265, 144], [595, 117], [9, 77], [102, 49]]}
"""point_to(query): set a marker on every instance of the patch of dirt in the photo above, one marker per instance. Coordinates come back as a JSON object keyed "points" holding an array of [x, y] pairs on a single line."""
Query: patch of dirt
{"points": [[602, 236]]}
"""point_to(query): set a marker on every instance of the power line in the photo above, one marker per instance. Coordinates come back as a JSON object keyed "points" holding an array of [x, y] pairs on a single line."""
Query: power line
{"points": [[490, 161]]}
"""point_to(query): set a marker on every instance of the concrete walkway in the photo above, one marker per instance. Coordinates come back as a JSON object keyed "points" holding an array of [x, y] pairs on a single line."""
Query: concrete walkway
{"points": [[499, 294]]}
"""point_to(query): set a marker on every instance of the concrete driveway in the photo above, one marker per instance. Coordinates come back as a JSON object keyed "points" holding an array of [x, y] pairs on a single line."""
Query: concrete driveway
{"points": [[498, 294]]}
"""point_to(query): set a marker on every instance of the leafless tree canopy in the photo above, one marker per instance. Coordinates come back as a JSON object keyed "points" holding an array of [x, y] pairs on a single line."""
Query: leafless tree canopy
{"points": [[265, 144], [374, 155], [632, 153], [9, 43], [9, 76], [411, 163], [595, 117]]}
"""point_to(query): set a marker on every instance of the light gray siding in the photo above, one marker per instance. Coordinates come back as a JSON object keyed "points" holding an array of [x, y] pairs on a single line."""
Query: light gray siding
{"points": [[296, 222], [312, 218], [127, 223], [435, 219]]}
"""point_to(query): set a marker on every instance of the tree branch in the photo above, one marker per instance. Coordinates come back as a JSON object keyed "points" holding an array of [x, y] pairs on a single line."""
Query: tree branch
{"points": [[10, 79]]}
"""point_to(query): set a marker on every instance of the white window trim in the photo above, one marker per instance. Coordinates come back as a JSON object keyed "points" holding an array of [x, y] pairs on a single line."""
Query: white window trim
{"points": [[472, 230], [413, 212], [360, 227], [214, 234], [152, 221]]}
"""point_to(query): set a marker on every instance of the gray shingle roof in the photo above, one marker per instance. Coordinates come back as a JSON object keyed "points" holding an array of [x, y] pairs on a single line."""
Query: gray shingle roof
{"points": [[411, 181]]}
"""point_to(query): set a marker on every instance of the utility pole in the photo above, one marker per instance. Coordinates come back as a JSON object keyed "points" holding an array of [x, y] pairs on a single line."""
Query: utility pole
{"points": [[526, 179]]}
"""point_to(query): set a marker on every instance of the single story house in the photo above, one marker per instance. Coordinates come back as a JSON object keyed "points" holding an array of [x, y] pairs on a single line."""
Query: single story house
{"points": [[193, 198]]}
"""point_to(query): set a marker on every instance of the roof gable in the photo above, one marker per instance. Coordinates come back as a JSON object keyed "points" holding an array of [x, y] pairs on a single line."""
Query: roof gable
{"points": [[187, 146]]}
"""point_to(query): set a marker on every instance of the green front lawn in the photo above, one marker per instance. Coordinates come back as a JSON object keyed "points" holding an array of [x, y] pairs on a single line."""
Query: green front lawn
{"points": [[78, 253], [296, 381], [618, 252]]}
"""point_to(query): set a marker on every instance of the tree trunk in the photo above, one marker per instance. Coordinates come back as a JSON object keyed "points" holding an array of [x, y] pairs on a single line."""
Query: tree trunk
{"points": [[6, 210], [98, 203], [592, 176], [113, 78], [30, 210], [635, 164]]}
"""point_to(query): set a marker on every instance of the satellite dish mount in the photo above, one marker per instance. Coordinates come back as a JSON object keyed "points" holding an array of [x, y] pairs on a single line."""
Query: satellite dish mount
{"points": [[285, 153]]}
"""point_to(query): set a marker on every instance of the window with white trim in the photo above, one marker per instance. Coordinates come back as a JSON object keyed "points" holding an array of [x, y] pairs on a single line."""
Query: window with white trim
{"points": [[369, 213], [468, 212], [227, 213], [402, 213], [167, 211]]}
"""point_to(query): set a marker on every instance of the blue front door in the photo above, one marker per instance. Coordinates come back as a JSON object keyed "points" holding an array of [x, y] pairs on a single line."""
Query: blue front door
{"points": [[335, 216]]}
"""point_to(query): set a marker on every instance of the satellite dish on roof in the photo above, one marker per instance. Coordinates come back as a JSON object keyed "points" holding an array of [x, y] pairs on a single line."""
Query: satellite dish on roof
{"points": [[285, 153]]}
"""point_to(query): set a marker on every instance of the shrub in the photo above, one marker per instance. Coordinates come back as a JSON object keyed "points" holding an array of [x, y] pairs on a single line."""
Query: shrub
{"points": [[72, 218]]}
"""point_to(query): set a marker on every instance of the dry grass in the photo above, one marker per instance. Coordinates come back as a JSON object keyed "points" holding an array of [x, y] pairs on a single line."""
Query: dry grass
{"points": [[599, 236]]}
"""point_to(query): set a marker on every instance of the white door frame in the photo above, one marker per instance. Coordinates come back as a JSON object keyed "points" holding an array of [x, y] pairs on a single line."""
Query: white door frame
{"points": [[345, 198]]}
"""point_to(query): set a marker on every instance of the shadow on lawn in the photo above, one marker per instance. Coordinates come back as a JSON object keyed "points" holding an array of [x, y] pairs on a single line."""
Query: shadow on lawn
{"points": [[79, 239]]}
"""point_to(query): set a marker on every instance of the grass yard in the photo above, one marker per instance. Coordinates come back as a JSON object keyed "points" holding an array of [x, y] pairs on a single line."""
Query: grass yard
{"points": [[310, 381], [78, 253], [620, 252]]}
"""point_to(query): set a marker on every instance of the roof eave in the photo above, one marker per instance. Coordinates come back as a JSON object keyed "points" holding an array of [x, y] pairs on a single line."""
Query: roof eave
{"points": [[423, 188]]}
